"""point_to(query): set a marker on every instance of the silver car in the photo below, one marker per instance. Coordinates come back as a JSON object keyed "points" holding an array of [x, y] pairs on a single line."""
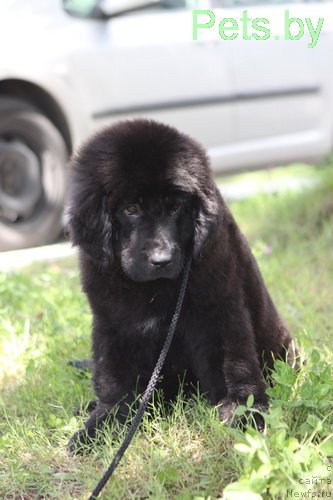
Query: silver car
{"points": [[69, 68]]}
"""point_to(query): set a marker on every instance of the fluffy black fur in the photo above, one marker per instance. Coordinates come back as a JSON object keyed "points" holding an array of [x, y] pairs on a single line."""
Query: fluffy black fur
{"points": [[141, 197]]}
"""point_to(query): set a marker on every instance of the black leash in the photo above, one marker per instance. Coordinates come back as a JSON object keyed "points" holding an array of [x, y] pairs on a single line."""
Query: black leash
{"points": [[150, 387]]}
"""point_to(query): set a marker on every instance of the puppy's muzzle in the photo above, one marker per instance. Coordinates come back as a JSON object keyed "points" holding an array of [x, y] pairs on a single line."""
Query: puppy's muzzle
{"points": [[160, 258]]}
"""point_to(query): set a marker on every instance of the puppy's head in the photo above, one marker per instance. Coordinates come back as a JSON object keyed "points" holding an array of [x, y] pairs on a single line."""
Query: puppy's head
{"points": [[152, 234], [142, 193]]}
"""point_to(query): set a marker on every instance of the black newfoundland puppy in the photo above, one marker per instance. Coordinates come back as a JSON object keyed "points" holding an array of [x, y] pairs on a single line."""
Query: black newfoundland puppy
{"points": [[142, 197]]}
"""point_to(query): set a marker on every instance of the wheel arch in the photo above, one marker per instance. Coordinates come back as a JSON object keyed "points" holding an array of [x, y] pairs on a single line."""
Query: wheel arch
{"points": [[41, 99]]}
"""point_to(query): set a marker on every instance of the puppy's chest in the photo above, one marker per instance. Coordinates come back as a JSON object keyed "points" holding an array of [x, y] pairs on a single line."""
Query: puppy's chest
{"points": [[149, 325], [145, 348], [144, 318]]}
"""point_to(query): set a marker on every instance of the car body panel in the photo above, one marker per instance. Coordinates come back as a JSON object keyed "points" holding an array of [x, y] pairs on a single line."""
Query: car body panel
{"points": [[251, 103]]}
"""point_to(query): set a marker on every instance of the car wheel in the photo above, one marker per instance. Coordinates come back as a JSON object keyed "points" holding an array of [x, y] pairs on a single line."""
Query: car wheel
{"points": [[33, 159]]}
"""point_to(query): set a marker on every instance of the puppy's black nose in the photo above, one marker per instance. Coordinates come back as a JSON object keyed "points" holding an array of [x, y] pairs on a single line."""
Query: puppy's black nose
{"points": [[160, 259]]}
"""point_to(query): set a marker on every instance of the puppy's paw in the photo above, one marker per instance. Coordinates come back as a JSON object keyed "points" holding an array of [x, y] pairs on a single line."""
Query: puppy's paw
{"points": [[255, 417], [226, 410], [81, 442], [228, 415]]}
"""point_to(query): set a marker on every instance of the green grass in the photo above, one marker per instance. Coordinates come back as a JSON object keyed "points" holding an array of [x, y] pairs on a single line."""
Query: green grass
{"points": [[188, 453]]}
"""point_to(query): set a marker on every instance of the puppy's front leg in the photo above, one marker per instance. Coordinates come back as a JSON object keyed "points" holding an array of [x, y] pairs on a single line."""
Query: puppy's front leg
{"points": [[84, 437], [117, 408], [241, 366]]}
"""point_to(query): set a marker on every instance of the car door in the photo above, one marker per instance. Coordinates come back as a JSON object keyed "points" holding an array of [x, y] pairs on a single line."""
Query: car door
{"points": [[146, 64], [282, 103]]}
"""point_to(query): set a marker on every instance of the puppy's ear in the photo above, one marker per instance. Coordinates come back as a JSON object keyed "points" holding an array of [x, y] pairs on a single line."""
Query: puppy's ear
{"points": [[205, 222], [89, 226]]}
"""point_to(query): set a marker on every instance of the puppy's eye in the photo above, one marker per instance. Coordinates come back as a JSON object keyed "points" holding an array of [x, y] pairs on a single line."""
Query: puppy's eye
{"points": [[131, 210], [175, 208]]}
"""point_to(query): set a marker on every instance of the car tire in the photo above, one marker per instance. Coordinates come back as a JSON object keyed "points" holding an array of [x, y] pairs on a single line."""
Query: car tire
{"points": [[33, 158]]}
